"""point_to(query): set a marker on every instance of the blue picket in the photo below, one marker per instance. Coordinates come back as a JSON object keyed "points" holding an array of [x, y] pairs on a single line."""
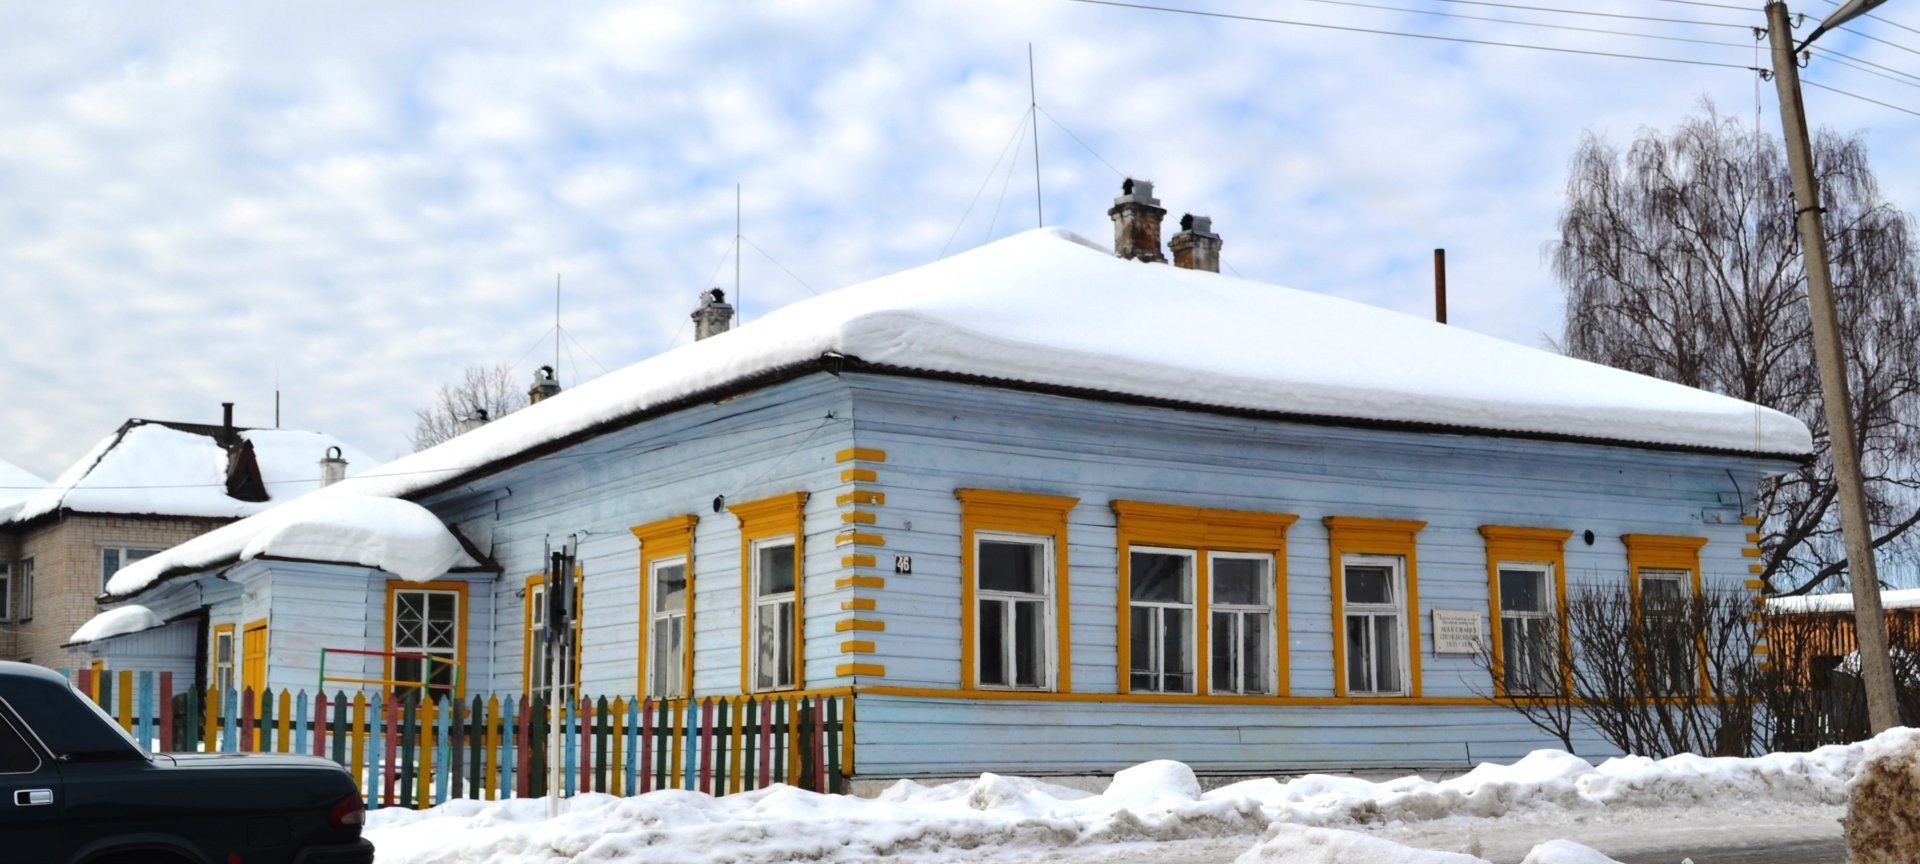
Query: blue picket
{"points": [[302, 724], [230, 720], [376, 761], [569, 772], [441, 768], [146, 714], [508, 714], [692, 736], [633, 747]]}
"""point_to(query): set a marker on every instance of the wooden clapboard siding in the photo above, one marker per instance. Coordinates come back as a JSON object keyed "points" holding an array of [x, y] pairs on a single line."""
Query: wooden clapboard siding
{"points": [[941, 436], [761, 443], [167, 649]]}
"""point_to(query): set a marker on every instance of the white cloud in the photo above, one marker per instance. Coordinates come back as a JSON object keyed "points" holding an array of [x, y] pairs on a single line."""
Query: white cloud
{"points": [[362, 198]]}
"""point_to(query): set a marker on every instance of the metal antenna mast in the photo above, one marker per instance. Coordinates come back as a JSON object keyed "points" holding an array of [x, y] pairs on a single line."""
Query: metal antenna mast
{"points": [[556, 328], [739, 303], [1033, 106]]}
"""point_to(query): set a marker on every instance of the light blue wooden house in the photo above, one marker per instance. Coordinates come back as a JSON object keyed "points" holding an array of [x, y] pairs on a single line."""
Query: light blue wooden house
{"points": [[1037, 507]]}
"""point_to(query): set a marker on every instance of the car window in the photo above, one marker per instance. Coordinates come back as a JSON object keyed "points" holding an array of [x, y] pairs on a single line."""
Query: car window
{"points": [[16, 757]]}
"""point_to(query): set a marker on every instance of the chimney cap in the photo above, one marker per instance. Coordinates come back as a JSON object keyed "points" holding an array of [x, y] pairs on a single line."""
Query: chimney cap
{"points": [[1196, 224], [1137, 192], [716, 295]]}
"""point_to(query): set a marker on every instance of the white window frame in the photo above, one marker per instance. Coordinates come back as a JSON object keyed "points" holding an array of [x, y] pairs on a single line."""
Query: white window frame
{"points": [[1375, 611], [1682, 579], [1049, 665], [26, 590], [656, 618], [539, 666], [452, 652], [121, 557], [1270, 682], [1157, 643], [6, 591], [224, 672], [1544, 619], [784, 679]]}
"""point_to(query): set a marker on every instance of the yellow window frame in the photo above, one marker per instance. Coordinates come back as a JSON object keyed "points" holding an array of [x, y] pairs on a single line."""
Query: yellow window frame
{"points": [[1202, 530], [1361, 535], [1523, 545], [394, 586], [1666, 552], [233, 656], [666, 538], [773, 517], [539, 580], [994, 510]]}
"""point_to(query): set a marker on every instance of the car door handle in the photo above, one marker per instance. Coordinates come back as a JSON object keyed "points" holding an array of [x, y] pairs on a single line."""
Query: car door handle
{"points": [[32, 797]]}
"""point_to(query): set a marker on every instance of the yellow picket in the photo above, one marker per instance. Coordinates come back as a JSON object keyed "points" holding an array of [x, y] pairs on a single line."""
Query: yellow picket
{"points": [[123, 691], [284, 714], [793, 741], [492, 748], [424, 771], [616, 763], [209, 731], [846, 736], [357, 735]]}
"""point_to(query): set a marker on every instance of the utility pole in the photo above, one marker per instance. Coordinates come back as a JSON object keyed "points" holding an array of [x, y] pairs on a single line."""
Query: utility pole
{"points": [[1869, 622]]}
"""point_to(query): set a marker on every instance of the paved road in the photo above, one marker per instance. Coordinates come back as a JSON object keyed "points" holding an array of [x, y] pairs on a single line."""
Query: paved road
{"points": [[1823, 851]]}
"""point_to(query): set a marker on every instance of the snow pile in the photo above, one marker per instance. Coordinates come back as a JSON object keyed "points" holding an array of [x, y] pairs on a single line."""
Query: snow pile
{"points": [[1156, 801], [151, 467], [119, 621], [1906, 598], [400, 537], [1883, 826]]}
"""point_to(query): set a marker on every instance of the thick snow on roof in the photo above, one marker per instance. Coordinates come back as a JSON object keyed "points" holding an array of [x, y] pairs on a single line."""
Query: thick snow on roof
{"points": [[150, 467], [400, 537], [118, 621], [1907, 598], [1048, 307], [16, 484]]}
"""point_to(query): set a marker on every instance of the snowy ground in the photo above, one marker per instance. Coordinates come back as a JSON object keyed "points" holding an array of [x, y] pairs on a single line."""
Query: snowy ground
{"points": [[1631, 807]]}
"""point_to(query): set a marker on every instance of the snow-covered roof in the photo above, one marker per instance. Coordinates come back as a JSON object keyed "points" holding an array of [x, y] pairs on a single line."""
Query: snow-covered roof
{"points": [[1047, 307], [400, 537], [118, 621], [179, 469], [1906, 598], [17, 484]]}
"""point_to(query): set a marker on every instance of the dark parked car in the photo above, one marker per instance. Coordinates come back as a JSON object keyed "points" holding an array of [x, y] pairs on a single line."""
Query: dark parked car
{"points": [[78, 790]]}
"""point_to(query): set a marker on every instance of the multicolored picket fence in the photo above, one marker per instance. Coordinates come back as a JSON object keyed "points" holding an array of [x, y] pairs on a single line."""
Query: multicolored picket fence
{"points": [[412, 752]]}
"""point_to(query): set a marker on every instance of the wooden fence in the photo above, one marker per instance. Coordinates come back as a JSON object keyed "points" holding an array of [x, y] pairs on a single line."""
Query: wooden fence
{"points": [[407, 752]]}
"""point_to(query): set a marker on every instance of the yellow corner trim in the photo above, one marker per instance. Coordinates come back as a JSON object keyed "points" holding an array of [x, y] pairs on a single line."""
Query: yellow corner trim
{"points": [[858, 561], [858, 475], [1759, 601], [846, 624], [857, 604], [871, 669], [862, 496], [1750, 552], [860, 582], [857, 538], [1753, 537], [860, 454], [1756, 568], [1749, 520], [1760, 649], [856, 646], [1756, 584], [858, 517]]}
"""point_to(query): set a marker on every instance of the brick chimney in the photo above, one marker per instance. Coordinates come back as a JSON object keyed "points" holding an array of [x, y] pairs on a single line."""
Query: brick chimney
{"points": [[473, 421], [713, 317], [333, 467], [1136, 222], [545, 386], [1196, 247]]}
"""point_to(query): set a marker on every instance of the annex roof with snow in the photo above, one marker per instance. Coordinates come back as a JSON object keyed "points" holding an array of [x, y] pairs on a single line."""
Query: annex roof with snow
{"points": [[1905, 598], [17, 484], [1049, 309], [187, 469]]}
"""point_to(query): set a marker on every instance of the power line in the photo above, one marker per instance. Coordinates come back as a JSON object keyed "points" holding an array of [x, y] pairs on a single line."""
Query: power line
{"points": [[1428, 36], [1618, 15], [1894, 24], [1856, 66], [1710, 5], [1518, 23], [1864, 61], [1860, 97]]}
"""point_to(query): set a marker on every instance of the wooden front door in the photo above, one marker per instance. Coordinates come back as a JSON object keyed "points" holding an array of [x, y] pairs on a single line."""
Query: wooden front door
{"points": [[253, 658]]}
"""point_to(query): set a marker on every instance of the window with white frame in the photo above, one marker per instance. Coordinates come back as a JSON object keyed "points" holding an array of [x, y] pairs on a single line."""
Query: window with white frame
{"points": [[223, 659], [1014, 591], [426, 622], [773, 614], [1672, 659], [26, 590], [1529, 657], [1240, 604], [6, 591], [1160, 620], [539, 653], [1373, 591], [112, 558], [668, 626]]}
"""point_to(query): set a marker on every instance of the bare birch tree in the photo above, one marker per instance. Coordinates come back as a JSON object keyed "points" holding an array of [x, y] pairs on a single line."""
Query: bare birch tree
{"points": [[1678, 259], [492, 389]]}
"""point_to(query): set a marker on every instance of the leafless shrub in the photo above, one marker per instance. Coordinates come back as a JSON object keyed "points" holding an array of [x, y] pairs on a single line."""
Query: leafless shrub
{"points": [[489, 388]]}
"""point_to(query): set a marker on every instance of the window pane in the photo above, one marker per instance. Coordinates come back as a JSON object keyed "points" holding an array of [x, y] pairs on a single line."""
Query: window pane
{"points": [[1254, 654], [1177, 664], [1359, 652], [1161, 578], [109, 563], [1220, 669], [1006, 566], [784, 675], [1386, 642], [133, 555], [1240, 581], [442, 623], [1369, 583], [670, 587], [992, 643], [1660, 591], [776, 570], [1029, 645], [767, 646], [1140, 642], [406, 672], [1523, 591]]}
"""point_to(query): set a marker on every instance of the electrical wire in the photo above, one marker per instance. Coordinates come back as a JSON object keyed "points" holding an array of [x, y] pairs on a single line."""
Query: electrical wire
{"points": [[1860, 97], [1618, 15], [1861, 60], [1427, 36], [1518, 23], [1711, 5], [1855, 65]]}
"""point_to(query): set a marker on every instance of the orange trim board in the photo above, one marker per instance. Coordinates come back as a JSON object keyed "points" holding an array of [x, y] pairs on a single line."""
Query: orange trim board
{"points": [[845, 624], [861, 582], [861, 496], [858, 561], [873, 669], [858, 475], [859, 517], [856, 646], [860, 454], [857, 604], [859, 539]]}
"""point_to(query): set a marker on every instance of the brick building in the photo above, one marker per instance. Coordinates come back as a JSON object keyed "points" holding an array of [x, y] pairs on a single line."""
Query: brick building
{"points": [[150, 485]]}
